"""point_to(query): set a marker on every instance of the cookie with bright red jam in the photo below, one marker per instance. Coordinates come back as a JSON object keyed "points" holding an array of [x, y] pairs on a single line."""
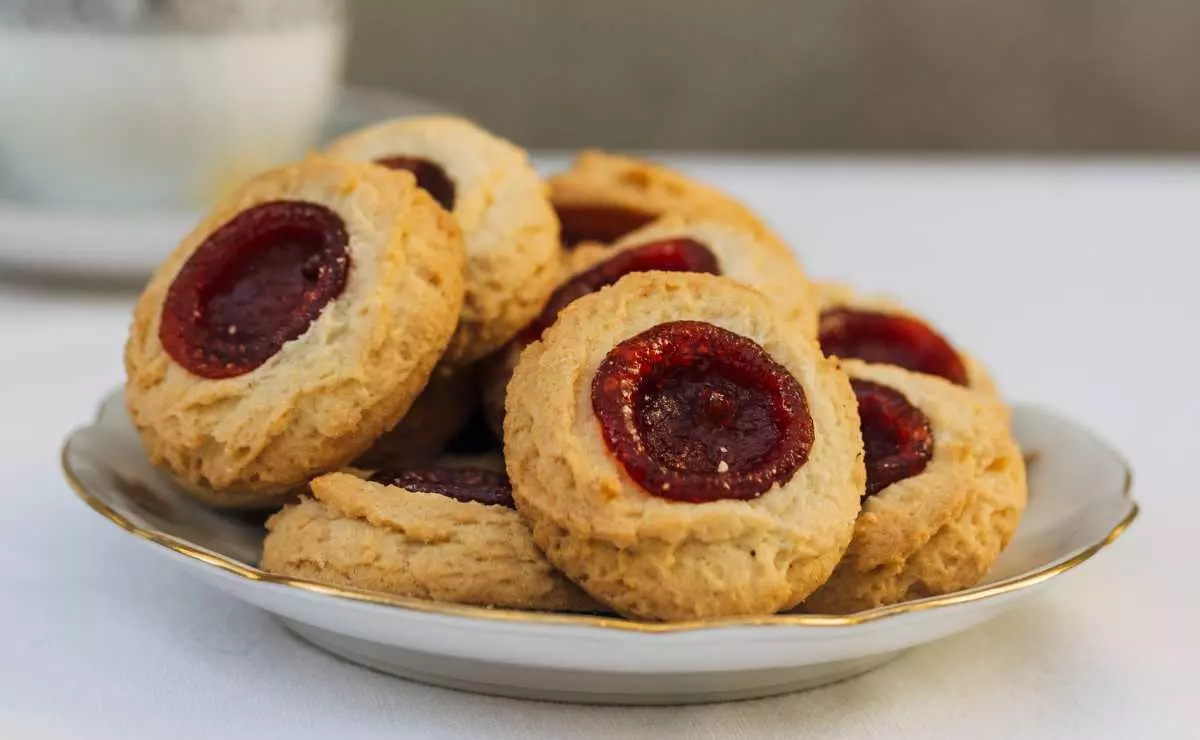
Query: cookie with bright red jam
{"points": [[253, 285], [696, 413], [603, 197], [897, 436], [499, 202], [668, 245], [945, 490], [681, 451], [890, 339], [667, 255], [292, 328]]}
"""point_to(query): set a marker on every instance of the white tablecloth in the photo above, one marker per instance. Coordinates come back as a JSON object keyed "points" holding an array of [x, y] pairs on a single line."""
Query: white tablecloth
{"points": [[1078, 283]]}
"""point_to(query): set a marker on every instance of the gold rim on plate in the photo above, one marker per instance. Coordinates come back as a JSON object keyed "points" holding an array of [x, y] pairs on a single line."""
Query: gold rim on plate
{"points": [[241, 570]]}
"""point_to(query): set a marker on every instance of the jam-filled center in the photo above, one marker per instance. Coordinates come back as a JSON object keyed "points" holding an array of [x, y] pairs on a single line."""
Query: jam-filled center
{"points": [[897, 436], [430, 177], [598, 223], [890, 339], [694, 412], [256, 283], [461, 484], [666, 255]]}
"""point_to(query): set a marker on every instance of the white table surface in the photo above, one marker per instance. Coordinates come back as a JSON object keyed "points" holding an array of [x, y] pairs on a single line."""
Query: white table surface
{"points": [[1078, 283]]}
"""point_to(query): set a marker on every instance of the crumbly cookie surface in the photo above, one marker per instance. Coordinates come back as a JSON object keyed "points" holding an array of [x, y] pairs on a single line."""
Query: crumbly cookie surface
{"points": [[740, 255], [938, 531], [375, 537], [604, 179], [496, 370], [244, 441], [509, 228], [655, 558]]}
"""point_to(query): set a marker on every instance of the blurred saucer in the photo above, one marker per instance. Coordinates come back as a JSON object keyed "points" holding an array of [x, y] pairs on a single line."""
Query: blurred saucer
{"points": [[113, 245]]}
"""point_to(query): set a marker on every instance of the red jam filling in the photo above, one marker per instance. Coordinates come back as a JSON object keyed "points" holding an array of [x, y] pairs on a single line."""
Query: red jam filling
{"points": [[256, 283], [460, 484], [897, 436], [696, 413], [432, 178], [599, 223], [890, 339], [667, 255]]}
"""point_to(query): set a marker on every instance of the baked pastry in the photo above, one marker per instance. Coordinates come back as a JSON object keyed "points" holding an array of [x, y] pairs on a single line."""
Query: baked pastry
{"points": [[291, 328], [879, 330], [440, 534], [605, 196], [510, 230], [681, 452], [669, 244], [435, 417], [945, 491]]}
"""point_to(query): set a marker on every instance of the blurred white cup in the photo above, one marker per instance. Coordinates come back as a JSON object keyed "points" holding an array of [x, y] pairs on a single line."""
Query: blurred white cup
{"points": [[163, 104]]}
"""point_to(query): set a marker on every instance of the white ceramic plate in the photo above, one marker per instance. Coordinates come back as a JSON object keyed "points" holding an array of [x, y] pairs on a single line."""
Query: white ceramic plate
{"points": [[114, 245], [1079, 503]]}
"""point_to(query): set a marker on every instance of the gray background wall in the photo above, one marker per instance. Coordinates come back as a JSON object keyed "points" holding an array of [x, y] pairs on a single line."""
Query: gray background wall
{"points": [[1014, 75]]}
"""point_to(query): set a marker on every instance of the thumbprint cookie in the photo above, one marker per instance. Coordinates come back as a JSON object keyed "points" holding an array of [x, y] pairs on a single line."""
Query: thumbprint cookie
{"points": [[499, 202], [878, 330], [291, 328], [443, 534], [435, 417], [945, 491], [681, 452], [603, 197], [668, 245]]}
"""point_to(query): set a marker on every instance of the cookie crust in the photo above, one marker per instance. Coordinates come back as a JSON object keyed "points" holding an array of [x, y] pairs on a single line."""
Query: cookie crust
{"points": [[740, 255], [654, 558], [374, 537], [941, 530], [243, 442], [501, 205], [604, 179]]}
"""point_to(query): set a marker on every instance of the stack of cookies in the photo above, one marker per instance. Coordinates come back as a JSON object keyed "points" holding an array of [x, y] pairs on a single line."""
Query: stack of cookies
{"points": [[666, 419]]}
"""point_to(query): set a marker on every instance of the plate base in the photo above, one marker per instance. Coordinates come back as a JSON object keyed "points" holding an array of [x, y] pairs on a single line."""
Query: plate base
{"points": [[1079, 503], [550, 684]]}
